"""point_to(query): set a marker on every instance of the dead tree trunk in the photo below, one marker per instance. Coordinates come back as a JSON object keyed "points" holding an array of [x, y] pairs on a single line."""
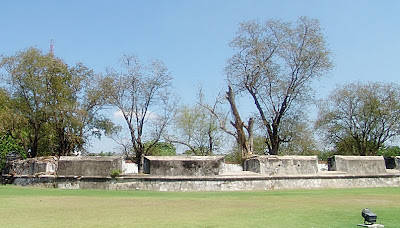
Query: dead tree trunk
{"points": [[245, 142]]}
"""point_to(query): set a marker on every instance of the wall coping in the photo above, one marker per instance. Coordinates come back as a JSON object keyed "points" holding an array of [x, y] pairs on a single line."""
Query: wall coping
{"points": [[183, 158], [218, 178]]}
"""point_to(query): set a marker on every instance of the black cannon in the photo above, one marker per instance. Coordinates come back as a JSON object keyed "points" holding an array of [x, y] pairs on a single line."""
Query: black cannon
{"points": [[369, 216]]}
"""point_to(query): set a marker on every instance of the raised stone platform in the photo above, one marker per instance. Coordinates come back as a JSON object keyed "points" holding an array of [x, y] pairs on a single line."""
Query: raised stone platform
{"points": [[282, 165], [359, 164], [34, 166], [371, 225], [183, 165], [88, 165]]}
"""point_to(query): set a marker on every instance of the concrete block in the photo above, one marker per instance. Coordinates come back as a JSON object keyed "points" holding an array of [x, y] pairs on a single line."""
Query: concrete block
{"points": [[397, 162], [88, 165], [34, 166], [183, 165], [129, 168], [282, 165], [360, 164], [232, 168]]}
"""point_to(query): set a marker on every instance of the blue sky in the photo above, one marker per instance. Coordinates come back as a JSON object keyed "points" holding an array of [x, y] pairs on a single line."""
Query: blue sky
{"points": [[192, 37]]}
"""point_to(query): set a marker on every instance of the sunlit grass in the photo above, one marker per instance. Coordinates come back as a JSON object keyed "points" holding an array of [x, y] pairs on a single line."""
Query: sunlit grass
{"points": [[33, 207]]}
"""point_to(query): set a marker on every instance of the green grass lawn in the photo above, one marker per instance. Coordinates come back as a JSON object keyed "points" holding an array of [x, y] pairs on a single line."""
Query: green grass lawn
{"points": [[34, 207]]}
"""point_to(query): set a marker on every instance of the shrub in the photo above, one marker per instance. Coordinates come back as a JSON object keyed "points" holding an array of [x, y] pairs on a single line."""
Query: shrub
{"points": [[115, 173], [9, 144]]}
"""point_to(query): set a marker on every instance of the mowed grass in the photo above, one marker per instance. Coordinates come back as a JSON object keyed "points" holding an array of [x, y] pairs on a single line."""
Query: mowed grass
{"points": [[34, 207]]}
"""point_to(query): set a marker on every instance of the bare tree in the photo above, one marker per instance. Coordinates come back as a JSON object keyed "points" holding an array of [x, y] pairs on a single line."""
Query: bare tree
{"points": [[243, 133], [142, 93], [275, 64], [358, 118]]}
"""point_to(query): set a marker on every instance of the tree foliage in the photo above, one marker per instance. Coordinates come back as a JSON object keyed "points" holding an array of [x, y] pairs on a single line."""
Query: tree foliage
{"points": [[275, 64], [160, 149], [12, 134], [300, 137], [197, 129], [7, 145], [358, 118], [389, 151], [59, 104]]}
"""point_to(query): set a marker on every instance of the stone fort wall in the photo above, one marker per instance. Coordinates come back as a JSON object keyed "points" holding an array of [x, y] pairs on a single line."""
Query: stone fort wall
{"points": [[206, 173]]}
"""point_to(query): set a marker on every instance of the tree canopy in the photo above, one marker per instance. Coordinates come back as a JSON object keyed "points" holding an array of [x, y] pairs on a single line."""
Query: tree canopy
{"points": [[275, 63], [48, 107], [58, 104], [358, 118]]}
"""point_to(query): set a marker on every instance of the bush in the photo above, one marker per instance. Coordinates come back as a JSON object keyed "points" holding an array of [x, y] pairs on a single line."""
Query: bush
{"points": [[390, 151], [234, 156], [115, 173], [7, 145]]}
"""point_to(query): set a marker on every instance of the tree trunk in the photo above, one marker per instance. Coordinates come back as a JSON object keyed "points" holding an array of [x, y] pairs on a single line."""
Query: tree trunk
{"points": [[34, 148], [245, 143], [34, 144], [274, 140]]}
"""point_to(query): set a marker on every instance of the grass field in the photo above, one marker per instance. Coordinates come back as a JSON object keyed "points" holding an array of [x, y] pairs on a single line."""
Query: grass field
{"points": [[33, 207]]}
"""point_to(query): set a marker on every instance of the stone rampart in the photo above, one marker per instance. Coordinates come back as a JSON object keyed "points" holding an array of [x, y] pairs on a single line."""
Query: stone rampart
{"points": [[359, 164], [215, 183], [183, 165], [88, 166], [191, 173], [282, 165]]}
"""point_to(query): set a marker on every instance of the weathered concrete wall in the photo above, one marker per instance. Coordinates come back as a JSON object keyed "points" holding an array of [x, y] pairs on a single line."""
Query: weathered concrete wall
{"points": [[183, 165], [397, 162], [229, 168], [216, 183], [359, 164], [34, 166], [129, 168], [282, 165], [322, 167], [88, 166]]}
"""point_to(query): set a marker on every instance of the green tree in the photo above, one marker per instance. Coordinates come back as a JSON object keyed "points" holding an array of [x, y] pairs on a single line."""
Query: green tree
{"points": [[299, 137], [358, 118], [59, 103], [275, 64], [160, 149], [198, 130], [7, 145], [389, 151], [11, 129], [12, 123], [260, 146]]}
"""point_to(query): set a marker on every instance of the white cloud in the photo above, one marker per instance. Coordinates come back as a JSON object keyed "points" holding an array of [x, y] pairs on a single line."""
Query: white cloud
{"points": [[119, 115]]}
